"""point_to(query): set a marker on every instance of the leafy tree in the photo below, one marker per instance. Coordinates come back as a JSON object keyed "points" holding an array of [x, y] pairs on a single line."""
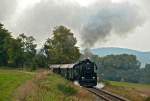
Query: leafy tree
{"points": [[29, 49], [4, 38], [15, 53], [18, 52], [147, 66], [145, 74], [41, 59], [61, 47], [119, 68]]}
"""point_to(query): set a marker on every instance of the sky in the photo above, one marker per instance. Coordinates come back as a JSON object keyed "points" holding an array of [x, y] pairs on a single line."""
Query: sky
{"points": [[96, 23]]}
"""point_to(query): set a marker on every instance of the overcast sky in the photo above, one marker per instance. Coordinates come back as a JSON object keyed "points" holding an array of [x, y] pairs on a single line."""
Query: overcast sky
{"points": [[96, 23]]}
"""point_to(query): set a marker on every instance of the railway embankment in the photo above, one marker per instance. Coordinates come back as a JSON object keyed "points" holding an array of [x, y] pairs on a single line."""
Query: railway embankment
{"points": [[47, 86]]}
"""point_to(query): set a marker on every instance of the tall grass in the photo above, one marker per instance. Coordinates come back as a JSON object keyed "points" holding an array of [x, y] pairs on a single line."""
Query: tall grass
{"points": [[47, 86], [132, 91]]}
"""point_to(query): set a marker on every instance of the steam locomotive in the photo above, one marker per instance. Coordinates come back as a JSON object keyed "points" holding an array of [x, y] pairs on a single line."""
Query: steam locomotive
{"points": [[83, 72]]}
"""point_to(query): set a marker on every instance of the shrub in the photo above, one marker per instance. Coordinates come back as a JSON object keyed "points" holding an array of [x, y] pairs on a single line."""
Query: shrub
{"points": [[148, 99], [106, 82], [67, 90]]}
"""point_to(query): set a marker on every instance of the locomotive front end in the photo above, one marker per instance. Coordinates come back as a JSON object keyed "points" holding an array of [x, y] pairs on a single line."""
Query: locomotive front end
{"points": [[88, 76]]}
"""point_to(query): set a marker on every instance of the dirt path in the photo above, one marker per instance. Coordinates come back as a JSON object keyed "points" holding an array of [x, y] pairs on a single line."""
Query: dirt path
{"points": [[30, 86]]}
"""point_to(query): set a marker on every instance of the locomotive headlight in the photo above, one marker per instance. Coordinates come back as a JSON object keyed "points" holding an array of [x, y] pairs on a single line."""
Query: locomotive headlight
{"points": [[82, 77], [93, 77]]}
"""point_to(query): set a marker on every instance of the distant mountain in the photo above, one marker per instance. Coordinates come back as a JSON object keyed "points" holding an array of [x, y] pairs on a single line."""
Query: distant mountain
{"points": [[143, 57]]}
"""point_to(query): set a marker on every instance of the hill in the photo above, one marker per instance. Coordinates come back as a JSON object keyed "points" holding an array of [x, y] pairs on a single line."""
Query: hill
{"points": [[143, 57]]}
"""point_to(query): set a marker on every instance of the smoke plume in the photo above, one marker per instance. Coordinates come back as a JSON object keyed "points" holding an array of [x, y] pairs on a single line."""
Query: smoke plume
{"points": [[117, 19]]}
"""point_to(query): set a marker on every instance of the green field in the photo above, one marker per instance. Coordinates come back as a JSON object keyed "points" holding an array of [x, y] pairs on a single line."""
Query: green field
{"points": [[10, 80], [16, 85], [41, 85], [126, 84], [132, 91]]}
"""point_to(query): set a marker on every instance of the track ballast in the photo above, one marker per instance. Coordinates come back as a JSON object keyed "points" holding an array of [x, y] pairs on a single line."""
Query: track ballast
{"points": [[105, 95]]}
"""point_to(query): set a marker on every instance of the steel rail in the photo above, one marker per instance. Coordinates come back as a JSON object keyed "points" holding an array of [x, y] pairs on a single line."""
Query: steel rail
{"points": [[105, 95]]}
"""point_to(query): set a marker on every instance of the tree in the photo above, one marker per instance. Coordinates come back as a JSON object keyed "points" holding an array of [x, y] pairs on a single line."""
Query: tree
{"points": [[122, 67], [4, 41], [29, 49], [40, 59], [61, 47], [15, 53], [145, 74]]}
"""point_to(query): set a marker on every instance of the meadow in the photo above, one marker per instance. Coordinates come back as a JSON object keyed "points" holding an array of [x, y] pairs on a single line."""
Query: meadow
{"points": [[43, 85], [132, 91], [10, 80], [40, 85]]}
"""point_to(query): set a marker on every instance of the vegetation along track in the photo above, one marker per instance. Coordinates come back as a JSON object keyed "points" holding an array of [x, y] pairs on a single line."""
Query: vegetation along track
{"points": [[105, 95]]}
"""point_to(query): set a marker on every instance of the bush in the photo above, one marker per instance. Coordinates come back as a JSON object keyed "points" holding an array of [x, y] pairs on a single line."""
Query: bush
{"points": [[29, 68], [106, 82], [67, 90], [148, 99]]}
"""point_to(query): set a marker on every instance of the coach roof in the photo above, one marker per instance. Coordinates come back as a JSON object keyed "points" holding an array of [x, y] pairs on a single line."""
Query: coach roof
{"points": [[62, 66]]}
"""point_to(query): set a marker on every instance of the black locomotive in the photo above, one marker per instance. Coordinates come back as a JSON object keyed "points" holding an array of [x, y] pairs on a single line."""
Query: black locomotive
{"points": [[83, 72]]}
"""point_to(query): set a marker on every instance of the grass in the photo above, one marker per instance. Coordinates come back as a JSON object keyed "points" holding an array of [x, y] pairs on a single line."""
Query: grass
{"points": [[132, 91], [18, 85], [67, 90], [10, 80], [47, 86], [130, 85]]}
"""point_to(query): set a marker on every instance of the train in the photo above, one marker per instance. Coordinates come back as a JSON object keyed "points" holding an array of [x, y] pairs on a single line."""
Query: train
{"points": [[84, 72]]}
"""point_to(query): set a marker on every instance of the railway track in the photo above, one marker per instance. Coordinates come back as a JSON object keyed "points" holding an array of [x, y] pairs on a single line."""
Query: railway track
{"points": [[105, 95]]}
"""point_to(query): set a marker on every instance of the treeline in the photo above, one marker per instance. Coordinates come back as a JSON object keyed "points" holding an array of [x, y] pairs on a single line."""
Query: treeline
{"points": [[122, 67], [21, 51]]}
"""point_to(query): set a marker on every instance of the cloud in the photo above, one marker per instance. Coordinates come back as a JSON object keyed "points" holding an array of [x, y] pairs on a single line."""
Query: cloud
{"points": [[40, 19], [7, 8], [93, 23]]}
